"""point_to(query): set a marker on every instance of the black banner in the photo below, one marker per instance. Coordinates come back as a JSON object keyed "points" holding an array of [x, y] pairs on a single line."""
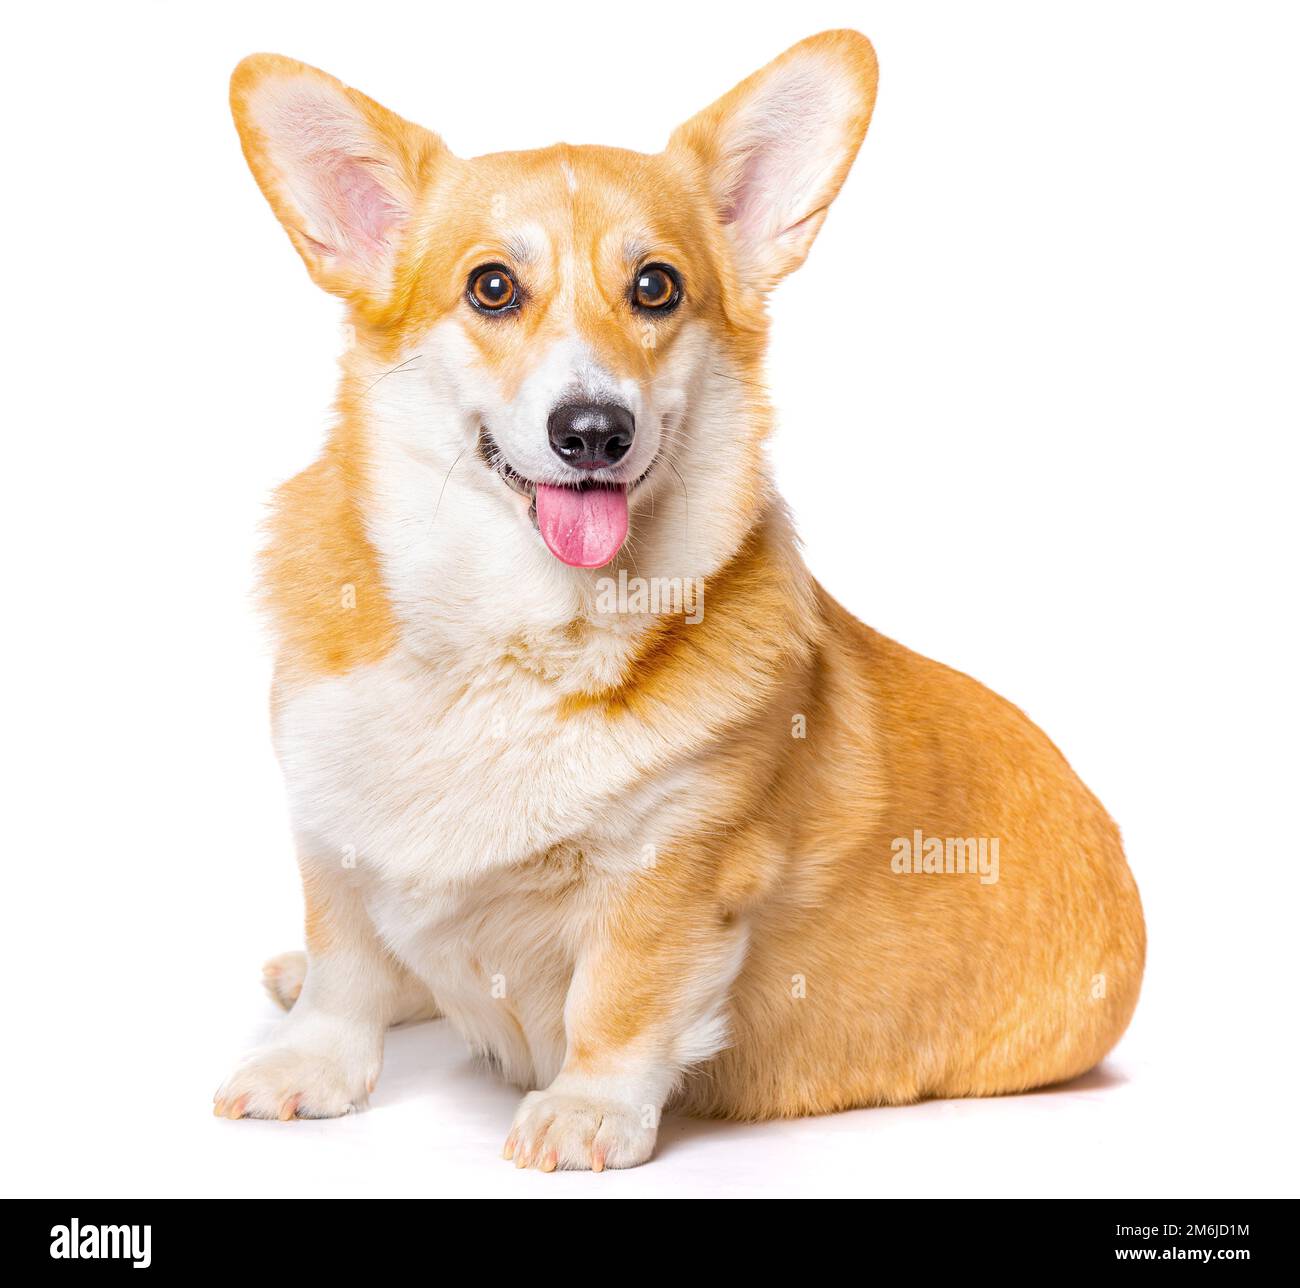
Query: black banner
{"points": [[94, 1237]]}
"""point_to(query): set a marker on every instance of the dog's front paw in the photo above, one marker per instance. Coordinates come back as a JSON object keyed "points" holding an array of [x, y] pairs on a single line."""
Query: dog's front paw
{"points": [[288, 1082], [554, 1130]]}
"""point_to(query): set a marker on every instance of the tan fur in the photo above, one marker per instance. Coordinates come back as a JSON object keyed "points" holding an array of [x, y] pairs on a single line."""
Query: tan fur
{"points": [[913, 986], [855, 985]]}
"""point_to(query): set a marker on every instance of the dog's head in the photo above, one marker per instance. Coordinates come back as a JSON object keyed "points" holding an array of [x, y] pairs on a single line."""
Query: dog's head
{"points": [[571, 332]]}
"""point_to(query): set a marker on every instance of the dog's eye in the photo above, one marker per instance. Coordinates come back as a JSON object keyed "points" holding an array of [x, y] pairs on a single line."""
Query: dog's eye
{"points": [[492, 289], [656, 288]]}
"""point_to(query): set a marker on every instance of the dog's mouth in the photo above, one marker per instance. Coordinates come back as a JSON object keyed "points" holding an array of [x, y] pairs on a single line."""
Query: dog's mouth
{"points": [[583, 524]]}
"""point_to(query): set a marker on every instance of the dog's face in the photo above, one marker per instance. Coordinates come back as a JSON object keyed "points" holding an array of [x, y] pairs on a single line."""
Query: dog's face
{"points": [[580, 287], [564, 328]]}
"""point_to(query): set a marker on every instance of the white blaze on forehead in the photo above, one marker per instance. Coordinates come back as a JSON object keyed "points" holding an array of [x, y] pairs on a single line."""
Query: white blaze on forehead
{"points": [[569, 177]]}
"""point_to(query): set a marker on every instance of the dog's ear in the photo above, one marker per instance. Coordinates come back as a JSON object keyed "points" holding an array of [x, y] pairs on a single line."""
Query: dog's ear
{"points": [[341, 172], [775, 150]]}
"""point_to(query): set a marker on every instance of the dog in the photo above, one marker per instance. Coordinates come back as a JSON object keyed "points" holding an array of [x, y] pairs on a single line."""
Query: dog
{"points": [[733, 861]]}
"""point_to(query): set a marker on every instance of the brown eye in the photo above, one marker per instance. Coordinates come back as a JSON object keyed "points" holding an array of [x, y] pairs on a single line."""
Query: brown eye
{"points": [[492, 289], [656, 287]]}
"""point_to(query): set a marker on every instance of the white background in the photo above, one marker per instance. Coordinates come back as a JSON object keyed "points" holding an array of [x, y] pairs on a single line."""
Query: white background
{"points": [[1037, 393]]}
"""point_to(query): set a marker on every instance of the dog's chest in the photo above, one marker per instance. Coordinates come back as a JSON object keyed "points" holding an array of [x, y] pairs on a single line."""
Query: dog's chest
{"points": [[481, 827], [436, 778]]}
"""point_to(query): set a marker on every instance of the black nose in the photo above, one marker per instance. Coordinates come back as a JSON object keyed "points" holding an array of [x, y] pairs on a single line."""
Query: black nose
{"points": [[589, 435]]}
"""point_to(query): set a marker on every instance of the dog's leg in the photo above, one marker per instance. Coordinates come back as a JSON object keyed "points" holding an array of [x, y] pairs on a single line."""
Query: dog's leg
{"points": [[647, 1001], [284, 975], [324, 1057]]}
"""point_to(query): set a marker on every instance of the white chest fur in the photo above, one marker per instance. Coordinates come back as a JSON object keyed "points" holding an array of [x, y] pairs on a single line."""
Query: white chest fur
{"points": [[483, 830]]}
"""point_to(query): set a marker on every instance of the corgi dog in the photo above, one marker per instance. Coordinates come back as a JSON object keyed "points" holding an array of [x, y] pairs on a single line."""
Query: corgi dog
{"points": [[751, 860]]}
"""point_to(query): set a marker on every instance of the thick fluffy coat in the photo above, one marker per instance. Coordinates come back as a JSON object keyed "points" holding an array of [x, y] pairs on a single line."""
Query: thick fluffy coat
{"points": [[638, 859]]}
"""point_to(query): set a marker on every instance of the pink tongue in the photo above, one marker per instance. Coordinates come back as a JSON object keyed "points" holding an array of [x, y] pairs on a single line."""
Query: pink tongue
{"points": [[586, 527]]}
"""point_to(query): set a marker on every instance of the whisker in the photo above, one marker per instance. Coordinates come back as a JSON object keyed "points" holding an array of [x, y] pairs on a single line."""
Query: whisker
{"points": [[445, 481], [394, 370], [686, 497], [627, 545], [742, 380]]}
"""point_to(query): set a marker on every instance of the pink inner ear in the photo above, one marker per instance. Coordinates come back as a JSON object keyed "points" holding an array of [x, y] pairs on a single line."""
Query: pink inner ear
{"points": [[756, 191], [360, 207], [784, 142], [326, 154]]}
